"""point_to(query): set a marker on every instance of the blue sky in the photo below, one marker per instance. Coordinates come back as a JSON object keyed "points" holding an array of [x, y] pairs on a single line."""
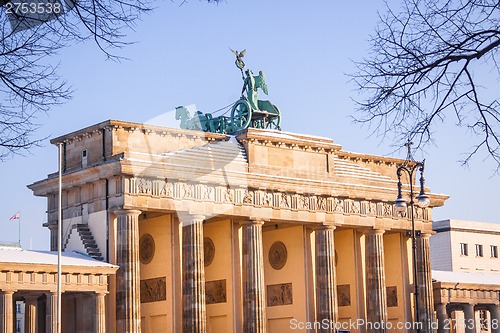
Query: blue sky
{"points": [[181, 57]]}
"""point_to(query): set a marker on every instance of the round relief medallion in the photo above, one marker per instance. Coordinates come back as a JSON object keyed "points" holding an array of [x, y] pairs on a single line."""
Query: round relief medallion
{"points": [[146, 249], [208, 251], [277, 255]]}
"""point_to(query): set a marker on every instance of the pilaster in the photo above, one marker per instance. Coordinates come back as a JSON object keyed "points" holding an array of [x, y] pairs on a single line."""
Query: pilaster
{"points": [[254, 306], [7, 311], [326, 295], [495, 318], [470, 318], [30, 314], [442, 317], [53, 236], [128, 307], [375, 281], [100, 313], [193, 275], [80, 306], [424, 278], [51, 313]]}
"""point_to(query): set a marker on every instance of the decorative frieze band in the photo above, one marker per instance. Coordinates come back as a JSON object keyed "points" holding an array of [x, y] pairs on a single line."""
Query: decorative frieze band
{"points": [[182, 190]]}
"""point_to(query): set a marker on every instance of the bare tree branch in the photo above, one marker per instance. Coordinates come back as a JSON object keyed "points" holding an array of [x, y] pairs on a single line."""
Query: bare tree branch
{"points": [[29, 83], [421, 70]]}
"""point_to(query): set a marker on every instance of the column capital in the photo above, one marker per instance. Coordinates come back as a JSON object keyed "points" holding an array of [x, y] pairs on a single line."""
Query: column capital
{"points": [[426, 234], [324, 226], [374, 231], [198, 217], [7, 291], [254, 221], [187, 218], [123, 211]]}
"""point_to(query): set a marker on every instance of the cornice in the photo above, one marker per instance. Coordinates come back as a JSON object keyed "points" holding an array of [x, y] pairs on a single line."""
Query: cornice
{"points": [[113, 125], [286, 140], [52, 269], [355, 157]]}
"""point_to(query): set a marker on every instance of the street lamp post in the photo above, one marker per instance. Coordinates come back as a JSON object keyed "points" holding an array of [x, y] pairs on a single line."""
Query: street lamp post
{"points": [[409, 167]]}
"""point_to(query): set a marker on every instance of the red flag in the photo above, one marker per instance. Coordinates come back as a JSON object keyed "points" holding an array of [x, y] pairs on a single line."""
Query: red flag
{"points": [[15, 217]]}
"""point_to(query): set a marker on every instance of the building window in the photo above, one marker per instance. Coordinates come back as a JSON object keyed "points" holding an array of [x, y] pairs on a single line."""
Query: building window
{"points": [[483, 321], [494, 251], [464, 249], [18, 308], [18, 326], [84, 158], [479, 250]]}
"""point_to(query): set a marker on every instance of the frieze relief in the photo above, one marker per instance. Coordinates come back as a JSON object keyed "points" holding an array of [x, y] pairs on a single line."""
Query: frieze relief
{"points": [[279, 294], [286, 201], [392, 296], [265, 198], [344, 295], [321, 203], [248, 197], [153, 290], [215, 291]]}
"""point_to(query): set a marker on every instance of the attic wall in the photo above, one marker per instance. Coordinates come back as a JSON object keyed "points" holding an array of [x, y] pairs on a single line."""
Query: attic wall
{"points": [[92, 142], [287, 162], [105, 140]]}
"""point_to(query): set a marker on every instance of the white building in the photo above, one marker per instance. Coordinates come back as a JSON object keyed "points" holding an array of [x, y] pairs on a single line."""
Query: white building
{"points": [[20, 311], [466, 279], [463, 246]]}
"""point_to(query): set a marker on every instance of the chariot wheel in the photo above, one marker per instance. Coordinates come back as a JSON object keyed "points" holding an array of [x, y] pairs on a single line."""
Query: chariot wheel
{"points": [[241, 115], [274, 122]]}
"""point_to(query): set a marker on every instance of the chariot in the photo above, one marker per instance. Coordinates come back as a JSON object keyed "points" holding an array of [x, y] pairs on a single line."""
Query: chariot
{"points": [[249, 111], [246, 112]]}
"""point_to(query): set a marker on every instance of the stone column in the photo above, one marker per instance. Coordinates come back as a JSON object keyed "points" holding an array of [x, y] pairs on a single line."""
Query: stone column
{"points": [[495, 318], [193, 275], [30, 315], [254, 306], [100, 312], [53, 235], [375, 281], [7, 311], [51, 313], [326, 294], [424, 279], [470, 318], [81, 319], [128, 306], [442, 316]]}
